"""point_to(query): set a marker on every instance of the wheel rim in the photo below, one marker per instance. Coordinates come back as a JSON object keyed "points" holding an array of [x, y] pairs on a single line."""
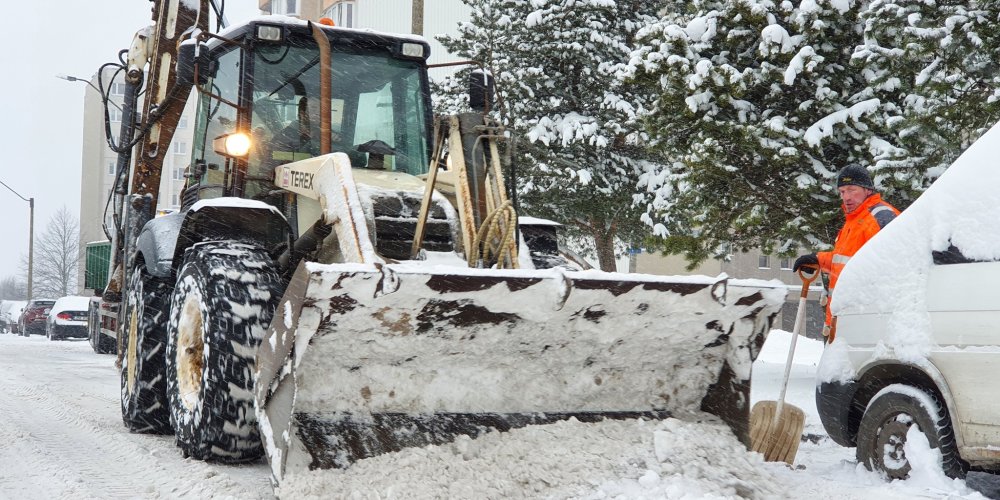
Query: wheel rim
{"points": [[190, 352], [890, 446], [133, 329]]}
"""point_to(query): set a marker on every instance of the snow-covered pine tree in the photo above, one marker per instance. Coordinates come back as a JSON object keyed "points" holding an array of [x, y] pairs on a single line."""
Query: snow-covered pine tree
{"points": [[933, 65], [759, 105], [484, 38], [578, 144]]}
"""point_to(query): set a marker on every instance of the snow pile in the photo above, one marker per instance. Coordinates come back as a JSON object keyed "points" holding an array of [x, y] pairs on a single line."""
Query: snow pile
{"points": [[925, 463], [613, 459], [836, 365], [688, 466], [62, 436]]}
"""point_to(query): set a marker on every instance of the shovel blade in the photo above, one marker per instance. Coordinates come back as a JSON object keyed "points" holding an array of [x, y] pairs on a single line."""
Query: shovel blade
{"points": [[776, 438]]}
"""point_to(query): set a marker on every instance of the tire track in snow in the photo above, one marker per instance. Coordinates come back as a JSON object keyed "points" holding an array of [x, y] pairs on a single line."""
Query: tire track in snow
{"points": [[75, 437]]}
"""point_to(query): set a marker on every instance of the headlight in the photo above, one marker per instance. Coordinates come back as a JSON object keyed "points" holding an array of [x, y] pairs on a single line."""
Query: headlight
{"points": [[269, 33], [413, 50], [236, 145]]}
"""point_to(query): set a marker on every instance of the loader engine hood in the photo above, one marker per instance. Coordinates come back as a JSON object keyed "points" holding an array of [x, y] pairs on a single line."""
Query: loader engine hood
{"points": [[391, 201]]}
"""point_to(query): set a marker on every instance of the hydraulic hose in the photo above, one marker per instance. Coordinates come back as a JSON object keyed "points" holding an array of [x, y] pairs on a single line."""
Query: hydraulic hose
{"points": [[496, 237]]}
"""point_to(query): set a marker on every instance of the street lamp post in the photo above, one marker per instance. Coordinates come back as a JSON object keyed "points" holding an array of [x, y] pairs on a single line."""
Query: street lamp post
{"points": [[417, 20], [69, 78], [31, 235], [31, 244]]}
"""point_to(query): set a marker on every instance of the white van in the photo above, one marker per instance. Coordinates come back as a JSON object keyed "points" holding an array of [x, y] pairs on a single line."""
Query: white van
{"points": [[917, 342]]}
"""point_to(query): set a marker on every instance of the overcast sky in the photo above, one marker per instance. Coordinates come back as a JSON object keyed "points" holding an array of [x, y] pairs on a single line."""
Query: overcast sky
{"points": [[42, 120]]}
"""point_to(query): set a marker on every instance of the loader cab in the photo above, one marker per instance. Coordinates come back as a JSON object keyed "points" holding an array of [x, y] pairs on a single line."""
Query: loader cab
{"points": [[265, 83]]}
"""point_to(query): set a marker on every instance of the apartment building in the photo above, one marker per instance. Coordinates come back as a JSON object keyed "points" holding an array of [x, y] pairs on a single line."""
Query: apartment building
{"points": [[99, 162]]}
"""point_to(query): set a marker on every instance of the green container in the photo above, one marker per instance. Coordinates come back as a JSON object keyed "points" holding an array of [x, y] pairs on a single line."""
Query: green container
{"points": [[95, 275]]}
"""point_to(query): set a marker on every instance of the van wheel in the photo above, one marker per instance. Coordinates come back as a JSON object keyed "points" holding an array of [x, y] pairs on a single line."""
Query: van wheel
{"points": [[225, 296], [887, 420], [143, 388]]}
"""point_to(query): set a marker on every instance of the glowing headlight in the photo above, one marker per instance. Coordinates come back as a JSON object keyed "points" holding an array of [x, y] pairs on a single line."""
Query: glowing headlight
{"points": [[236, 144]]}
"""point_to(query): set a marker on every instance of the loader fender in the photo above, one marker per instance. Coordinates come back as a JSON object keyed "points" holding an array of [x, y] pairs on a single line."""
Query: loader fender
{"points": [[227, 219], [368, 359], [156, 243]]}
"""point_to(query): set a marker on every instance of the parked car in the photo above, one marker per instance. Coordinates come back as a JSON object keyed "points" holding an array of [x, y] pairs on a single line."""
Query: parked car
{"points": [[916, 344], [32, 320], [10, 311], [68, 318]]}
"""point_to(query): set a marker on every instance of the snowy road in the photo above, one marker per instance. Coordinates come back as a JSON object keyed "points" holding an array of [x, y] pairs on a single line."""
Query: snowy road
{"points": [[61, 437], [62, 434]]}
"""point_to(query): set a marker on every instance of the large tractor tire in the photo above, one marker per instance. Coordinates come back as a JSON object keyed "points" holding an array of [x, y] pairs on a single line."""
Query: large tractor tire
{"points": [[225, 296], [143, 373]]}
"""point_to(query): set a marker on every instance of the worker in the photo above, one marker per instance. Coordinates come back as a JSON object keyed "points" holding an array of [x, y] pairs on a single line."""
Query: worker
{"points": [[865, 214], [297, 135]]}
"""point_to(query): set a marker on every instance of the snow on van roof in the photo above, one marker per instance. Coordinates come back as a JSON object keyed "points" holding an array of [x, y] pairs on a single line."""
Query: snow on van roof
{"points": [[889, 274]]}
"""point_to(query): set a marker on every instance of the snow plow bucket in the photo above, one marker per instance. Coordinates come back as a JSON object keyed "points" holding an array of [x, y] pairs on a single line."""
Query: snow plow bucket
{"points": [[362, 360]]}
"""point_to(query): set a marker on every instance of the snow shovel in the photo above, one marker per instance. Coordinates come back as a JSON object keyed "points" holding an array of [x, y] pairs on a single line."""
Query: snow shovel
{"points": [[775, 426]]}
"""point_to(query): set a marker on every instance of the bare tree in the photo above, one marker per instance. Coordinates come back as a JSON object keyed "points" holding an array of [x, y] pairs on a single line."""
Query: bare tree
{"points": [[13, 288], [57, 256]]}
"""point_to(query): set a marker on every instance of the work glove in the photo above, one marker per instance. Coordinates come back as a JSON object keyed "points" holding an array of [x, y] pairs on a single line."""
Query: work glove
{"points": [[809, 260]]}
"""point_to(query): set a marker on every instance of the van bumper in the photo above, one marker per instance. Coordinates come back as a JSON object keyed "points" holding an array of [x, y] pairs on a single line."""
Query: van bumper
{"points": [[833, 402]]}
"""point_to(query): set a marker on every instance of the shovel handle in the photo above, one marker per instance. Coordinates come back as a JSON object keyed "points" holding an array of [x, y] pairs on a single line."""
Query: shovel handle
{"points": [[807, 273]]}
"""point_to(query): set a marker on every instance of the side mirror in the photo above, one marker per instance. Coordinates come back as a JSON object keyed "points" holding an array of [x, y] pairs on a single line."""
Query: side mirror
{"points": [[193, 62], [481, 90]]}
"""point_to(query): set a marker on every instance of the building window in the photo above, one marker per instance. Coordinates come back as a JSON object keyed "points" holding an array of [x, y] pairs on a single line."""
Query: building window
{"points": [[183, 123], [173, 200], [786, 264], [764, 262], [178, 173], [180, 148], [117, 89], [115, 114], [342, 14], [285, 7], [111, 166]]}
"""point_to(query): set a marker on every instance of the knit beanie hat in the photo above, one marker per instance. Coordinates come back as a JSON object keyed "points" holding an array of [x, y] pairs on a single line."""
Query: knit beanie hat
{"points": [[855, 175]]}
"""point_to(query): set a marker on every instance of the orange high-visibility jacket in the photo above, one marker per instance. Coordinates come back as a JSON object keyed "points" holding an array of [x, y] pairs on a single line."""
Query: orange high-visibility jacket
{"points": [[861, 224]]}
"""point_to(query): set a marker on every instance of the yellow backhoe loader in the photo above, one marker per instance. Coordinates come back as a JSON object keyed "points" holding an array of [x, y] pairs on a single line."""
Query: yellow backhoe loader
{"points": [[346, 276]]}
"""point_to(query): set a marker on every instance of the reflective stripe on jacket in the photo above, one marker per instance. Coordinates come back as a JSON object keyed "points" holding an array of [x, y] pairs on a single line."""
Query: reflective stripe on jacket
{"points": [[860, 225]]}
